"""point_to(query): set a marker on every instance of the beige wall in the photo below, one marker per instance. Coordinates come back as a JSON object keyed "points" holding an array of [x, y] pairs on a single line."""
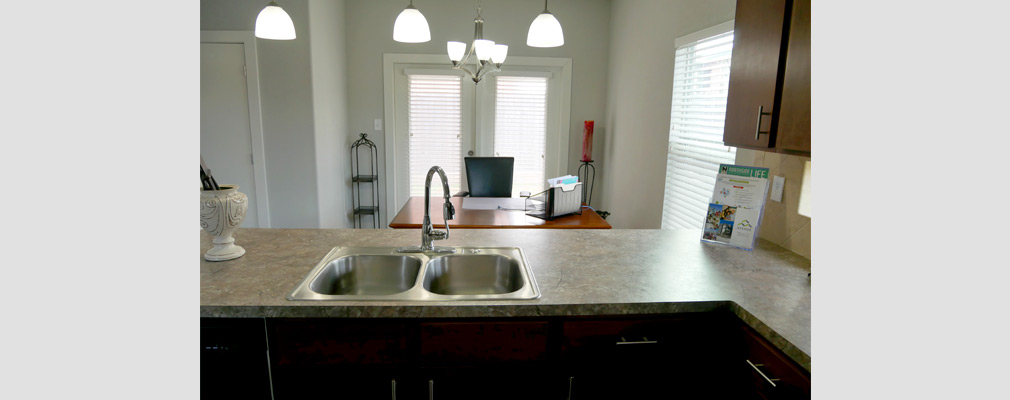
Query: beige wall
{"points": [[287, 108], [329, 101], [781, 223], [640, 86], [370, 35]]}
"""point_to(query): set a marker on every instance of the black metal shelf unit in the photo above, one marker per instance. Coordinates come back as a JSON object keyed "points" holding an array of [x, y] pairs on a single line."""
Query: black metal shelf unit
{"points": [[369, 177]]}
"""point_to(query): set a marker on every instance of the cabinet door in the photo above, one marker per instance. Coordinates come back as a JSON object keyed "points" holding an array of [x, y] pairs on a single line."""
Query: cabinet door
{"points": [[335, 358], [754, 69], [482, 343], [649, 358], [793, 133], [233, 359], [773, 376]]}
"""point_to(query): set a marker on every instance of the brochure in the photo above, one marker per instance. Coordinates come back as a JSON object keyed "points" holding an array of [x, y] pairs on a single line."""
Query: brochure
{"points": [[734, 212]]}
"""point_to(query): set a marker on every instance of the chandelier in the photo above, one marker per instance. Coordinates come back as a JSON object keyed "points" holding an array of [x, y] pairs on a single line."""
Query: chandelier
{"points": [[490, 55]]}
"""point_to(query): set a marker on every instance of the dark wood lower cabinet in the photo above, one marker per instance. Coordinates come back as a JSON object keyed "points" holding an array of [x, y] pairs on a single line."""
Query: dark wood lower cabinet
{"points": [[705, 355], [233, 359]]}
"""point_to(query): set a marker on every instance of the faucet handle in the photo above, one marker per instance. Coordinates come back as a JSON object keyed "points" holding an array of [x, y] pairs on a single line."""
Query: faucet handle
{"points": [[448, 211], [436, 234]]}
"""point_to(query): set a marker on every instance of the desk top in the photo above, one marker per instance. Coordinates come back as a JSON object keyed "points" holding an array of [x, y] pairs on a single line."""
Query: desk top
{"points": [[412, 215]]}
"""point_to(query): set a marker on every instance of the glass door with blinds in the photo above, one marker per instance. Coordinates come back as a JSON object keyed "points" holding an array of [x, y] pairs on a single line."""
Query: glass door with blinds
{"points": [[518, 106], [700, 86], [434, 125], [440, 116]]}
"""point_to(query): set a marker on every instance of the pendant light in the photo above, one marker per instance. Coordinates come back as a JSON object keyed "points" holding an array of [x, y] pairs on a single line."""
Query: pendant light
{"points": [[274, 23], [410, 26], [545, 31]]}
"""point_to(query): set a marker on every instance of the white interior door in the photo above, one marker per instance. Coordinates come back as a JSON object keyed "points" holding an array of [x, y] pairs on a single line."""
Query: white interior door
{"points": [[225, 131]]}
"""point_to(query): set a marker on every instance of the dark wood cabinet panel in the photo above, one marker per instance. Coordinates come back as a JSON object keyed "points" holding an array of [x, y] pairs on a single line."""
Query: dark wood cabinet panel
{"points": [[233, 358], [754, 71], [768, 104], [650, 358], [337, 342], [794, 113], [772, 375], [703, 355], [448, 343]]}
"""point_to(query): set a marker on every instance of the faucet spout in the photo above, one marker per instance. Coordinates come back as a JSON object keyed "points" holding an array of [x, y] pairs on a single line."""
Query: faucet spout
{"points": [[428, 234]]}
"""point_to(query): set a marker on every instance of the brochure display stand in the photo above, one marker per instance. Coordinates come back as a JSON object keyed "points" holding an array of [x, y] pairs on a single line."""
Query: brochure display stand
{"points": [[738, 201]]}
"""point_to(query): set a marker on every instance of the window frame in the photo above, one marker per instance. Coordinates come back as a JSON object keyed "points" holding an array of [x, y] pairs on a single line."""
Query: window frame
{"points": [[680, 42]]}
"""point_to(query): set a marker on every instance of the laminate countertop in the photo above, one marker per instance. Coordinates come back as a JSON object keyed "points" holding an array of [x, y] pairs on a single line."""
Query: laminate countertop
{"points": [[579, 272]]}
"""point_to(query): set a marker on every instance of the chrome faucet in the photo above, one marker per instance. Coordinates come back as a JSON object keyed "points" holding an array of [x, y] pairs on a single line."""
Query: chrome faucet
{"points": [[428, 233]]}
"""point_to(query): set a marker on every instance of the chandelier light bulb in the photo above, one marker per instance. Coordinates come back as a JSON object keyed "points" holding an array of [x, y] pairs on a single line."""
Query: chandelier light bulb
{"points": [[274, 23], [483, 47], [499, 53], [410, 26], [456, 50]]}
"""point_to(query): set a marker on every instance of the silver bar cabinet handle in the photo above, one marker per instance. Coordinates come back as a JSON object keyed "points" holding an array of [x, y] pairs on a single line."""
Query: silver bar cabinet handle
{"points": [[431, 389], [570, 379], [644, 340], [761, 113], [755, 366], [394, 389]]}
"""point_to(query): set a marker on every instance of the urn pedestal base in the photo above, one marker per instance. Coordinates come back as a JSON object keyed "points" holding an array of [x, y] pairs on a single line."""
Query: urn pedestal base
{"points": [[224, 250]]}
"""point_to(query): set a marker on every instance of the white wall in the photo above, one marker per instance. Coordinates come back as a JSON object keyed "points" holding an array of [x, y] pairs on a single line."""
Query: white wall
{"points": [[639, 90], [370, 34], [287, 107], [329, 95]]}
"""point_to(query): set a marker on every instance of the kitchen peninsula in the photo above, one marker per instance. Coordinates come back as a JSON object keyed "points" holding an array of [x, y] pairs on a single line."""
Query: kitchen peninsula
{"points": [[580, 273]]}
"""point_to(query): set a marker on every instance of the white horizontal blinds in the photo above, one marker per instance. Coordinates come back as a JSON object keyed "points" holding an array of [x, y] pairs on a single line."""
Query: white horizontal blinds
{"points": [[700, 85], [434, 127], [520, 129]]}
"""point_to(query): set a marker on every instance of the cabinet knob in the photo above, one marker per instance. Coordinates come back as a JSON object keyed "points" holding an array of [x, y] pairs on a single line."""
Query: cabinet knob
{"points": [[758, 131]]}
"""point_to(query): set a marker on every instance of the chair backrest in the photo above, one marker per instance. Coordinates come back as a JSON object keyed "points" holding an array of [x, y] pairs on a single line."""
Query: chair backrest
{"points": [[489, 176]]}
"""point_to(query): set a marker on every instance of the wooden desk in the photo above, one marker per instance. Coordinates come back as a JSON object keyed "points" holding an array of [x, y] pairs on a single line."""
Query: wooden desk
{"points": [[412, 215]]}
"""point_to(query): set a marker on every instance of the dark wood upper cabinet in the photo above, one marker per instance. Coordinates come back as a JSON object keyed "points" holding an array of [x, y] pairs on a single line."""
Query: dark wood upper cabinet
{"points": [[768, 105]]}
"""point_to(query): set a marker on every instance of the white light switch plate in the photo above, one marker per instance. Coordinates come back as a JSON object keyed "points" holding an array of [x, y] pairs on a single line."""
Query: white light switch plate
{"points": [[378, 124], [778, 183]]}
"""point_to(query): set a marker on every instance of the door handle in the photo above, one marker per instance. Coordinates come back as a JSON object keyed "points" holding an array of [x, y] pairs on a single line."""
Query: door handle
{"points": [[755, 366], [758, 131], [644, 340]]}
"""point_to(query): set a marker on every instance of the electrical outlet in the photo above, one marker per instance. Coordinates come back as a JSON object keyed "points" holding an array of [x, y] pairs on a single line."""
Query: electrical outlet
{"points": [[378, 124], [778, 183]]}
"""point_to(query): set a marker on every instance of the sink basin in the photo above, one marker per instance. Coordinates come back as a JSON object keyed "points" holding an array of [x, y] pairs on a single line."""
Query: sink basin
{"points": [[473, 275], [367, 275], [381, 273]]}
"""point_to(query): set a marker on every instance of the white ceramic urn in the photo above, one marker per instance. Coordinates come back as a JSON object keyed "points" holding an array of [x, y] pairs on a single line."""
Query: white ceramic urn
{"points": [[221, 213]]}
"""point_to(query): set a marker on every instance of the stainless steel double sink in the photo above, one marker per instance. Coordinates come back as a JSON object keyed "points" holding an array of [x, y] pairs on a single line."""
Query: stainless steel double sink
{"points": [[382, 273]]}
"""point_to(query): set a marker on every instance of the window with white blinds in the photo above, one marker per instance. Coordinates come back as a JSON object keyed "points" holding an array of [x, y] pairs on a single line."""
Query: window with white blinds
{"points": [[520, 129], [434, 127], [700, 86]]}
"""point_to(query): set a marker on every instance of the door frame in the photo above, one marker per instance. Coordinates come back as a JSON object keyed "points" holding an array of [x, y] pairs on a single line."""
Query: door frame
{"points": [[390, 59], [248, 41]]}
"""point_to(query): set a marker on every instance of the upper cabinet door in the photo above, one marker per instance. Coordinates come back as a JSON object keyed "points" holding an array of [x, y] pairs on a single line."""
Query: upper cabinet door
{"points": [[794, 113], [754, 70]]}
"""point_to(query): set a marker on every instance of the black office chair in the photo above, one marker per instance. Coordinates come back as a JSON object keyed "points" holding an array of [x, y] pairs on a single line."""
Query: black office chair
{"points": [[488, 176]]}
